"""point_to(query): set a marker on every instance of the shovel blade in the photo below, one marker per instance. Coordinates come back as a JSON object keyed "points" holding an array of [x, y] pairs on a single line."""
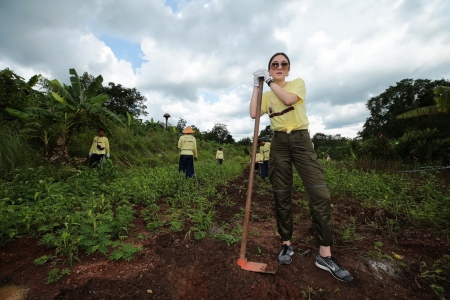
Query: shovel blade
{"points": [[254, 266]]}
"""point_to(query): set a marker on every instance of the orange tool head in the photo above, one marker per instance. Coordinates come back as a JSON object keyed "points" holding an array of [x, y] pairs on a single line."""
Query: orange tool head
{"points": [[254, 266]]}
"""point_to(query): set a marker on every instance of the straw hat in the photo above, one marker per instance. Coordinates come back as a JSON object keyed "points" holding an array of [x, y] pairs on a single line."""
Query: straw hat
{"points": [[188, 130]]}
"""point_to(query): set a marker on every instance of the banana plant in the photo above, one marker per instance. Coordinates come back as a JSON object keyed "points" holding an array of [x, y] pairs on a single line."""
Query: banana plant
{"points": [[442, 99], [39, 123], [68, 111]]}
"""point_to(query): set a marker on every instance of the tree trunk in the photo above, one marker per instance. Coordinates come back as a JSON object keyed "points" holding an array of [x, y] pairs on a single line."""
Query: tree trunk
{"points": [[61, 151]]}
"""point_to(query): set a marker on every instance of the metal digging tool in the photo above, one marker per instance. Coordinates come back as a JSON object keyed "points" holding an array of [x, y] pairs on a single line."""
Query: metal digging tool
{"points": [[242, 261]]}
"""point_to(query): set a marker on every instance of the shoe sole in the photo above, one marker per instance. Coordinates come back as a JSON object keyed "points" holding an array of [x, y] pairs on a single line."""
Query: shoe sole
{"points": [[327, 269], [286, 263]]}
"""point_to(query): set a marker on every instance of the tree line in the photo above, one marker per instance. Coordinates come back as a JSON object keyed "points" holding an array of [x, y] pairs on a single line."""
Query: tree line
{"points": [[409, 121]]}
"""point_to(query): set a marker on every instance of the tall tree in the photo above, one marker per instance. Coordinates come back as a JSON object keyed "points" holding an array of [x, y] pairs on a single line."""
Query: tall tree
{"points": [[408, 94], [266, 134], [219, 133], [181, 125], [123, 100]]}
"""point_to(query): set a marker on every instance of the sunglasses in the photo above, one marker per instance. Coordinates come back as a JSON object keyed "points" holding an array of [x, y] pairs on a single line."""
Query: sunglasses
{"points": [[275, 65]]}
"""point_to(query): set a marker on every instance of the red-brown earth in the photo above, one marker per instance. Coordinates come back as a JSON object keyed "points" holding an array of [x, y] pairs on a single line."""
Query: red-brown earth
{"points": [[176, 266]]}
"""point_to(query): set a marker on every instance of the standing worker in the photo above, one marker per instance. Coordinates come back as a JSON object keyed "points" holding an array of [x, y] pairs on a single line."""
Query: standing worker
{"points": [[99, 148], [219, 156], [264, 149], [188, 146], [291, 144]]}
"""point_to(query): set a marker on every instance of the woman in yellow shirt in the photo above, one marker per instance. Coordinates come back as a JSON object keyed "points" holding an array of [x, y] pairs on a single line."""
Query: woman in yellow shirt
{"points": [[291, 145]]}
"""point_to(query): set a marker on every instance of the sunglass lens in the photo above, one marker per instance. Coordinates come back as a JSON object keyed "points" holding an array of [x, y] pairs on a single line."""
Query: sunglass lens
{"points": [[275, 65]]}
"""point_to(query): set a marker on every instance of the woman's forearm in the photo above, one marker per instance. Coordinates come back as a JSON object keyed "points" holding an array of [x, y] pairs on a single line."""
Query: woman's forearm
{"points": [[285, 97], [254, 102]]}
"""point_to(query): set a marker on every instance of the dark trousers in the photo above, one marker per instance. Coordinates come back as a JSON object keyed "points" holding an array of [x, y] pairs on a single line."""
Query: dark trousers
{"points": [[96, 159], [186, 165], [296, 149], [265, 169], [220, 161]]}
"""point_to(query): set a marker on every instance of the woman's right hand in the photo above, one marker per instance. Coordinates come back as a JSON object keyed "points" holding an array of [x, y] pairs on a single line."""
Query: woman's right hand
{"points": [[261, 72]]}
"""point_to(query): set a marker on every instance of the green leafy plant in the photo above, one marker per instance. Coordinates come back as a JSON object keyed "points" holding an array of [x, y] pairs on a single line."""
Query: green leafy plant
{"points": [[348, 231], [56, 274], [125, 252], [43, 259], [377, 253]]}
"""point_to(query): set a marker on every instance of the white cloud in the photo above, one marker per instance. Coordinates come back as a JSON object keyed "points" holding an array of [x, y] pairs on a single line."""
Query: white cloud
{"points": [[346, 51]]}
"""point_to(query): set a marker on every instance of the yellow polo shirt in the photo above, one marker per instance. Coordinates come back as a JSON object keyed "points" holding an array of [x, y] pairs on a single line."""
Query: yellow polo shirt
{"points": [[284, 117], [259, 158], [188, 145], [265, 151], [102, 142], [219, 154]]}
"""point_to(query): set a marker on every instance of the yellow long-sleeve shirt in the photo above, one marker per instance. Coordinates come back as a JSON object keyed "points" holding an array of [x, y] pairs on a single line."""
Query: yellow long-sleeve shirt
{"points": [[219, 154], [101, 142], [188, 145]]}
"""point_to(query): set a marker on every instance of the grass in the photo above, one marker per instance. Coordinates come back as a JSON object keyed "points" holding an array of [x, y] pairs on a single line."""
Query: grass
{"points": [[422, 197]]}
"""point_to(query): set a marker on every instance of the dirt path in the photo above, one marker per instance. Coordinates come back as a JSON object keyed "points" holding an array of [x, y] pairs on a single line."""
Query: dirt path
{"points": [[172, 266]]}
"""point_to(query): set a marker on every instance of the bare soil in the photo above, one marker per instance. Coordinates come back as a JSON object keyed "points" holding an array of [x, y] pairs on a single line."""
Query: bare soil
{"points": [[174, 266]]}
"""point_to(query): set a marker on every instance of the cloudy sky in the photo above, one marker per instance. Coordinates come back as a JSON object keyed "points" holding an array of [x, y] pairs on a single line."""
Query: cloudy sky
{"points": [[195, 59]]}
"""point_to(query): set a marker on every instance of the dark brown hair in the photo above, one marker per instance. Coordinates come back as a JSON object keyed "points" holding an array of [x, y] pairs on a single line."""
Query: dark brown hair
{"points": [[279, 53]]}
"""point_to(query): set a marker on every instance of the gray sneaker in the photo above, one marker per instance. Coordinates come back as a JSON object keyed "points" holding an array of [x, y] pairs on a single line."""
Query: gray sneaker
{"points": [[285, 255], [331, 265]]}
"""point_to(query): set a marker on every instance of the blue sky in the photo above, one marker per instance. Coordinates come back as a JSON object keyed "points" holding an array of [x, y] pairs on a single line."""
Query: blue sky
{"points": [[195, 59], [125, 50]]}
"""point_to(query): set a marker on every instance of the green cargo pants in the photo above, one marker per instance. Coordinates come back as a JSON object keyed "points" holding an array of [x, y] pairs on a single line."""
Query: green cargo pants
{"points": [[296, 148]]}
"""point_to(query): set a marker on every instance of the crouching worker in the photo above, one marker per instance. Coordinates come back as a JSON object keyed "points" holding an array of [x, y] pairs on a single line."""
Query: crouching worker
{"points": [[99, 149], [188, 152], [219, 156]]}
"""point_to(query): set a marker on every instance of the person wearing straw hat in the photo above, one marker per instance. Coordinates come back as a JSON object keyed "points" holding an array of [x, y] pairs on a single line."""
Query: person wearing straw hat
{"points": [[188, 152]]}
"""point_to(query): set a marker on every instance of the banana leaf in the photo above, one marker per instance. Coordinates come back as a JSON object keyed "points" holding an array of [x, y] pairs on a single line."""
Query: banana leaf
{"points": [[59, 98], [33, 80], [40, 113], [94, 87], [19, 114], [106, 112], [75, 81], [57, 88], [99, 100]]}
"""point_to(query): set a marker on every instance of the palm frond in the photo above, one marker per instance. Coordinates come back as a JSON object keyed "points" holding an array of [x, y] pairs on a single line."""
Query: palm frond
{"points": [[423, 111]]}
